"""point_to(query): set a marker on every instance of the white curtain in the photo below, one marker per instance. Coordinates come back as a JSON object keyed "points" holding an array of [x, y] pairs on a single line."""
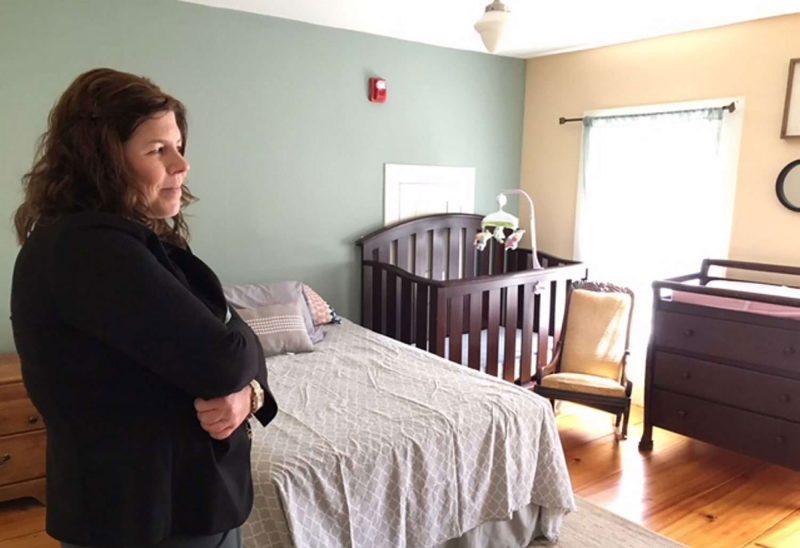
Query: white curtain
{"points": [[654, 202]]}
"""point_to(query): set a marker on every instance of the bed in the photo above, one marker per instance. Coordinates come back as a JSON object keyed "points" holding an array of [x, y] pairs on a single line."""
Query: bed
{"points": [[380, 444], [423, 283], [723, 364]]}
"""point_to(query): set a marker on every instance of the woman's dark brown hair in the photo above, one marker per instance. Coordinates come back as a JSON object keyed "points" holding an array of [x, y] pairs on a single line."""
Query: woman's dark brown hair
{"points": [[80, 163]]}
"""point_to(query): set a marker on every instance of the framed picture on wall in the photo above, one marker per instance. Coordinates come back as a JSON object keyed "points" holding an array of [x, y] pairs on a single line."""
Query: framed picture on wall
{"points": [[413, 190], [791, 109]]}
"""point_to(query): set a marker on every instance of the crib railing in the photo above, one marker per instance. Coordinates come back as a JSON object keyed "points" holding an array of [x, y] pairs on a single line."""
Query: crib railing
{"points": [[434, 313]]}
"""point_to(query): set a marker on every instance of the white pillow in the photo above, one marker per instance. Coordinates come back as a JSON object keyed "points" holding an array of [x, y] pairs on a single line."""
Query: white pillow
{"points": [[280, 328], [257, 295]]}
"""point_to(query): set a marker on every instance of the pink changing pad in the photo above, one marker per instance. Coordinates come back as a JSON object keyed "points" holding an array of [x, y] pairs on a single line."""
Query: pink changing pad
{"points": [[744, 305]]}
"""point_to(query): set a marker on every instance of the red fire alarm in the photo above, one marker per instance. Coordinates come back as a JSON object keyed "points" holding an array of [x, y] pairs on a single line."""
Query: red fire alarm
{"points": [[377, 90]]}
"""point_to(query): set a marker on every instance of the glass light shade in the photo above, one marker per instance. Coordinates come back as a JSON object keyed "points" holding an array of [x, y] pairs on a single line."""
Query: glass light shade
{"points": [[491, 27]]}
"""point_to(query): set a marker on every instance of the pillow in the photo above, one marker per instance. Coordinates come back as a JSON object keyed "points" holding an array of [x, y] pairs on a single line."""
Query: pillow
{"points": [[280, 328], [258, 295], [321, 311]]}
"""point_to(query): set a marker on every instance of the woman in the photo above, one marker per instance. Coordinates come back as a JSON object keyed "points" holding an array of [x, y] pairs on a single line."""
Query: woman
{"points": [[143, 375]]}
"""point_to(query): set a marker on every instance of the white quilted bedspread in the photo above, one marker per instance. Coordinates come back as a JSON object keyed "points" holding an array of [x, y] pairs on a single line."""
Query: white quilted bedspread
{"points": [[378, 444]]}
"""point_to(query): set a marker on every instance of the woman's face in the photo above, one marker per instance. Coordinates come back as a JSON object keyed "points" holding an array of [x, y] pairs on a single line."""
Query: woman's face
{"points": [[154, 154]]}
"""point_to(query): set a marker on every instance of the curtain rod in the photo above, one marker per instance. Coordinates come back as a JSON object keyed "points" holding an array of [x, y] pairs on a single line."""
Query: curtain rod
{"points": [[730, 108]]}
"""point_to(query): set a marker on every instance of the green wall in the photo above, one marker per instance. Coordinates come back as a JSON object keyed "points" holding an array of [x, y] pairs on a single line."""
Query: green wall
{"points": [[287, 154]]}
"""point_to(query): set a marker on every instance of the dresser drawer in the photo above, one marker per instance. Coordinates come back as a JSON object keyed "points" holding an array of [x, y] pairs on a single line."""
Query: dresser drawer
{"points": [[17, 413], [729, 340], [750, 390], [775, 440], [22, 456]]}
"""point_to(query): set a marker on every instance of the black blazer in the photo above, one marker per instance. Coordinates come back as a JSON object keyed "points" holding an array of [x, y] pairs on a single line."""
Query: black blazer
{"points": [[117, 334]]}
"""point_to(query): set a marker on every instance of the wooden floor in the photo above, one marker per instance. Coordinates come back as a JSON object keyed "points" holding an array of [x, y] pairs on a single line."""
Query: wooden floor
{"points": [[690, 491]]}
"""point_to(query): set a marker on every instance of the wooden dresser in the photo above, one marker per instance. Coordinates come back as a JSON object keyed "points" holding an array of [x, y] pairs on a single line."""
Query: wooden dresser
{"points": [[22, 437], [727, 377]]}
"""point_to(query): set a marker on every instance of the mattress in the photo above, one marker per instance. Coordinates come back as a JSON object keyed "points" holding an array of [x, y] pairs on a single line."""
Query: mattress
{"points": [[379, 444], [753, 306]]}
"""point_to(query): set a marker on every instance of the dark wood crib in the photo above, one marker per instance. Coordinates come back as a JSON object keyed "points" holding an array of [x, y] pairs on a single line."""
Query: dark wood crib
{"points": [[424, 283]]}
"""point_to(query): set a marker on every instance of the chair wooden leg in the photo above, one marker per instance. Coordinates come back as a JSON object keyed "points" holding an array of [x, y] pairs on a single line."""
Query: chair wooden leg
{"points": [[625, 422], [619, 419]]}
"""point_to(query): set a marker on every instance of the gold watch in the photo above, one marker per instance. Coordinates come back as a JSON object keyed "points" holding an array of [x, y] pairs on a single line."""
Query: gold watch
{"points": [[256, 396]]}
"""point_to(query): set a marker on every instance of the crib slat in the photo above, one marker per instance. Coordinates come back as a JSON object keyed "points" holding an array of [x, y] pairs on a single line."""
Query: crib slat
{"points": [[422, 317], [523, 260], [474, 352], [453, 253], [545, 262], [438, 321], [484, 261], [368, 272], [439, 244], [366, 296], [456, 328], [511, 261], [493, 331], [406, 297], [469, 254], [402, 253], [378, 300], [543, 311], [527, 333], [391, 304], [558, 299], [467, 312], [421, 254], [499, 258], [510, 354]]}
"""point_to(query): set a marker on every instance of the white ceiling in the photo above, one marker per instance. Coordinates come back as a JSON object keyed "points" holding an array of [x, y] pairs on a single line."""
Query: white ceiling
{"points": [[539, 27]]}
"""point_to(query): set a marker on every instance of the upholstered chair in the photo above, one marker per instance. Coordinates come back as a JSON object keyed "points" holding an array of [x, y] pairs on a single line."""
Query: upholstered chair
{"points": [[589, 362]]}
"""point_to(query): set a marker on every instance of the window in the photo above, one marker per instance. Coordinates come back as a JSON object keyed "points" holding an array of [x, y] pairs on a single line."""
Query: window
{"points": [[656, 197]]}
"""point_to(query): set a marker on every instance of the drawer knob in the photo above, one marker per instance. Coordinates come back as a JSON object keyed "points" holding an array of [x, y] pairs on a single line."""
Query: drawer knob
{"points": [[688, 332], [788, 351], [779, 439], [33, 419], [4, 459], [681, 413], [686, 375], [785, 398]]}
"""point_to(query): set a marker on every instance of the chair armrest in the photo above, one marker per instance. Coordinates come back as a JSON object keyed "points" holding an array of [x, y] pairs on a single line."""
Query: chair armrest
{"points": [[624, 379], [628, 388], [551, 367]]}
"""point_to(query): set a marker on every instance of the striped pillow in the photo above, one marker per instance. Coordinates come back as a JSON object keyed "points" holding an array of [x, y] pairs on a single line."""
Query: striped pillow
{"points": [[321, 312], [281, 328]]}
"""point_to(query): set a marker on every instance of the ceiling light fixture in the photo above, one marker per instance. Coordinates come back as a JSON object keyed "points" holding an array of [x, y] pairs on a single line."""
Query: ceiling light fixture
{"points": [[492, 25]]}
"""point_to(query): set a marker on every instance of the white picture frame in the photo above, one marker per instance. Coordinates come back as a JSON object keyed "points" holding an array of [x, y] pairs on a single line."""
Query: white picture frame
{"points": [[414, 190]]}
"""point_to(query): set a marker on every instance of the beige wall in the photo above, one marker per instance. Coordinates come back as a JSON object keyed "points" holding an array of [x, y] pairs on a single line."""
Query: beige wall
{"points": [[749, 60]]}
